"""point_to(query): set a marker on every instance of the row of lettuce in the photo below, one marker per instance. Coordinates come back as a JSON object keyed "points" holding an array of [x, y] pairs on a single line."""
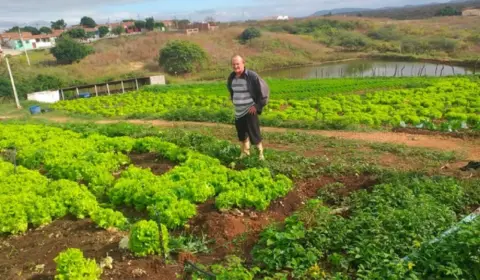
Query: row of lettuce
{"points": [[92, 160], [404, 228], [450, 104], [385, 232]]}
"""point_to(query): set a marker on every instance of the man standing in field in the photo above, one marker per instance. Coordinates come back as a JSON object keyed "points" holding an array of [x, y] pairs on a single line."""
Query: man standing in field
{"points": [[249, 94]]}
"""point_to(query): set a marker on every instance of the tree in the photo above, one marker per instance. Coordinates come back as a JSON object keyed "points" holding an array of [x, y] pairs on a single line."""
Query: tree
{"points": [[59, 24], [118, 30], [159, 25], [30, 29], [13, 29], [181, 24], [77, 33], [45, 30], [448, 11], [250, 33], [103, 31], [182, 57], [210, 19], [140, 24], [68, 50], [149, 23], [352, 41], [90, 34], [88, 22]]}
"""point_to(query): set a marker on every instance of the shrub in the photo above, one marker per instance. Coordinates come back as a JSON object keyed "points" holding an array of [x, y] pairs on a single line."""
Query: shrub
{"points": [[250, 33], [386, 33], [352, 41], [68, 50], [145, 239], [46, 82], [412, 45], [443, 44], [118, 30], [182, 57], [103, 31], [448, 11], [45, 30], [71, 265], [77, 33]]}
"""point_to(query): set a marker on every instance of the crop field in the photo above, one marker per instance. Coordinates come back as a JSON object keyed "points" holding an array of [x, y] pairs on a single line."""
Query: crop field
{"points": [[439, 104], [112, 199]]}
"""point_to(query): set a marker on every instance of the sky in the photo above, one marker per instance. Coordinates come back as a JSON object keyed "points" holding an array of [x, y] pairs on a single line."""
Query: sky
{"points": [[36, 12]]}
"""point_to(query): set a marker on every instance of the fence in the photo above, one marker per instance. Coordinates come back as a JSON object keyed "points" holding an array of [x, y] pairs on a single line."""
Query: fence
{"points": [[109, 88]]}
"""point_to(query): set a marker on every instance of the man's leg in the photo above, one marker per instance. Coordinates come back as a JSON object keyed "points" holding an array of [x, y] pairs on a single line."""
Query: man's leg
{"points": [[253, 125], [242, 133]]}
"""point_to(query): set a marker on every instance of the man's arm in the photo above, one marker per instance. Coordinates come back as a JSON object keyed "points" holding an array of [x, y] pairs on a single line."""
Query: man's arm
{"points": [[260, 101], [229, 87]]}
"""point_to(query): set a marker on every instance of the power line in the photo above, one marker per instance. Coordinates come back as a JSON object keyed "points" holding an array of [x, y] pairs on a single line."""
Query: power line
{"points": [[24, 47]]}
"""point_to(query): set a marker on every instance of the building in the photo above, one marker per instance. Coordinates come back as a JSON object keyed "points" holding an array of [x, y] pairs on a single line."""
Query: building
{"points": [[282, 18], [128, 26], [28, 41], [471, 12], [14, 40], [168, 23], [43, 41], [190, 31], [201, 27]]}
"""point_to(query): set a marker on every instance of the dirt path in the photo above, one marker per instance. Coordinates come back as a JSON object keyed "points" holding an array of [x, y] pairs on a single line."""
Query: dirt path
{"points": [[469, 147]]}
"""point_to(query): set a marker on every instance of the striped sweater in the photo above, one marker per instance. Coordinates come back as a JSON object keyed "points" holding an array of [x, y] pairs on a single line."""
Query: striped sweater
{"points": [[242, 99]]}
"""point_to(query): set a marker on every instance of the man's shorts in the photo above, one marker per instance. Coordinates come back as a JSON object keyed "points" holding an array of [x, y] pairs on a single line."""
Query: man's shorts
{"points": [[248, 126]]}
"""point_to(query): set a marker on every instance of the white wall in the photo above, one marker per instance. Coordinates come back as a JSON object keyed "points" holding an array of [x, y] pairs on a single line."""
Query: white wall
{"points": [[45, 96], [43, 44]]}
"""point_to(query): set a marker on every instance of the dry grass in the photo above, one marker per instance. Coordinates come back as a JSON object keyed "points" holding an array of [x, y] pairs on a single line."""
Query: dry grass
{"points": [[138, 55]]}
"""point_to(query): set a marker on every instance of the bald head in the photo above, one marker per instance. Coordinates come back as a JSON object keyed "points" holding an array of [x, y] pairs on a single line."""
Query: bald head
{"points": [[238, 64], [238, 57]]}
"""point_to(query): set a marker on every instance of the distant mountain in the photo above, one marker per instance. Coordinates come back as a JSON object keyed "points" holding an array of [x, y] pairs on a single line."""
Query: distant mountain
{"points": [[405, 12], [339, 11]]}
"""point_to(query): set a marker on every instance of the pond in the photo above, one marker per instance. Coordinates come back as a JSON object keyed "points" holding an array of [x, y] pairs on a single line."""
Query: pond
{"points": [[368, 68]]}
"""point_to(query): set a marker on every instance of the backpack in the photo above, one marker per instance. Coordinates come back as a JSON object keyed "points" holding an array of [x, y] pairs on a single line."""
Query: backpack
{"points": [[265, 90]]}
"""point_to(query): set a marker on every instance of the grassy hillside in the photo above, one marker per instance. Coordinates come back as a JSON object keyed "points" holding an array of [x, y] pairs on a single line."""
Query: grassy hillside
{"points": [[283, 44], [136, 56], [417, 12]]}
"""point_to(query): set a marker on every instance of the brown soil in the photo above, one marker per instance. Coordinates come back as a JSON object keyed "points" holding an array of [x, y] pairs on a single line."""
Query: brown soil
{"points": [[21, 254], [438, 141], [462, 135], [236, 232], [156, 164]]}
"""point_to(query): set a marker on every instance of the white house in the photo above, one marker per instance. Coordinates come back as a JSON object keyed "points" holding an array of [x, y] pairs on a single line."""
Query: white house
{"points": [[43, 41], [28, 41], [282, 18]]}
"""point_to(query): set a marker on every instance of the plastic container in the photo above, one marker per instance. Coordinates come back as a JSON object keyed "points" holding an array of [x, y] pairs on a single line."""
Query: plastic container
{"points": [[35, 109], [84, 95]]}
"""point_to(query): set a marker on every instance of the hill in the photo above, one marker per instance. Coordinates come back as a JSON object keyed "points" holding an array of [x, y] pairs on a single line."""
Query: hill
{"points": [[417, 11], [340, 11]]}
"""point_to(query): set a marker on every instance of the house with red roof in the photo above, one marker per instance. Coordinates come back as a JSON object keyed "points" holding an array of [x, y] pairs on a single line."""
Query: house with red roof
{"points": [[19, 41]]}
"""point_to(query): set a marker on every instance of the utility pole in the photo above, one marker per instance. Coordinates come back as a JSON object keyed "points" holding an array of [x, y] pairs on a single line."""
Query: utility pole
{"points": [[13, 84], [23, 44]]}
